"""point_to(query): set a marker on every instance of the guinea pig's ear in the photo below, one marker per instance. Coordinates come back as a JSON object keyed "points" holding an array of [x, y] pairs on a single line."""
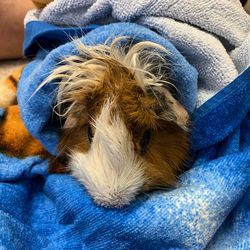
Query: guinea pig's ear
{"points": [[70, 122], [180, 113]]}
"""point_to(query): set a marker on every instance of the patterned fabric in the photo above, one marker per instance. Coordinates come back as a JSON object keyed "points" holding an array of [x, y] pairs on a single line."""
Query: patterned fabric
{"points": [[15, 139], [8, 89]]}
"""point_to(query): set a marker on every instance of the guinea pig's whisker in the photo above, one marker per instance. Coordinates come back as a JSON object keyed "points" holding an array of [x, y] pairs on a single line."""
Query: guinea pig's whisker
{"points": [[145, 194]]}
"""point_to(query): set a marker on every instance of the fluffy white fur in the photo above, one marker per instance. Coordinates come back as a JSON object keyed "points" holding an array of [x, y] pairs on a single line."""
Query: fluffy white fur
{"points": [[110, 171]]}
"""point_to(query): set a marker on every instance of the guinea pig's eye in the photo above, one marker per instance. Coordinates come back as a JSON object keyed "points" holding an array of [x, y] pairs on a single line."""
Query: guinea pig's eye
{"points": [[90, 134], [145, 141]]}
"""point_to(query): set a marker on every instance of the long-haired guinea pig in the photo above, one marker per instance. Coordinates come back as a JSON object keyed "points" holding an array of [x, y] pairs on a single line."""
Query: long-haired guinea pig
{"points": [[123, 131]]}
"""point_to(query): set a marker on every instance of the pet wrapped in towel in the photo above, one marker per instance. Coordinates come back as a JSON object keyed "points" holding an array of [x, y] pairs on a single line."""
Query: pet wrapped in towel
{"points": [[209, 206]]}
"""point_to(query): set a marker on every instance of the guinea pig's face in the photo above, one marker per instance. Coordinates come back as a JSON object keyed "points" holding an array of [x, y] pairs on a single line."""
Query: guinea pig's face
{"points": [[121, 136]]}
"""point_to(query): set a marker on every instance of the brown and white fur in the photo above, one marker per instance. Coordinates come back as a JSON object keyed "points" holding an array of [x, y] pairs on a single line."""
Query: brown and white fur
{"points": [[124, 132]]}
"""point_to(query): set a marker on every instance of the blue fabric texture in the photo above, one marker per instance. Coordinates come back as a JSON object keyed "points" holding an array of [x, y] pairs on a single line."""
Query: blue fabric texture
{"points": [[208, 209]]}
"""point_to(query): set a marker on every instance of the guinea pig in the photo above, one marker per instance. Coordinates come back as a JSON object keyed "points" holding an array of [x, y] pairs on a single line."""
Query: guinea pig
{"points": [[123, 130]]}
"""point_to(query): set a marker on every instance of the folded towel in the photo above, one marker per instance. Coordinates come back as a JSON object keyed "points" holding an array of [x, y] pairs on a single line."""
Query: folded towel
{"points": [[203, 31], [241, 55], [208, 208]]}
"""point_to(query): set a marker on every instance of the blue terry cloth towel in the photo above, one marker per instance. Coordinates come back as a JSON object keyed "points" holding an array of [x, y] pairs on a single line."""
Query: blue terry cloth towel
{"points": [[208, 209]]}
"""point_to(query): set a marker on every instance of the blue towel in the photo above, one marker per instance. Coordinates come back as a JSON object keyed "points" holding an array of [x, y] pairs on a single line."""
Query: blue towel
{"points": [[209, 207]]}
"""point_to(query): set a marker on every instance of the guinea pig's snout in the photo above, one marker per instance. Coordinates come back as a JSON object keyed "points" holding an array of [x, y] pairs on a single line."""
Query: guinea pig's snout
{"points": [[119, 194], [118, 189], [110, 179], [110, 184], [114, 200]]}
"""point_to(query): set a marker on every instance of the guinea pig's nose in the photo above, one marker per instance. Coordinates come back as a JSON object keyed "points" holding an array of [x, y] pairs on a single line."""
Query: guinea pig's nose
{"points": [[114, 200]]}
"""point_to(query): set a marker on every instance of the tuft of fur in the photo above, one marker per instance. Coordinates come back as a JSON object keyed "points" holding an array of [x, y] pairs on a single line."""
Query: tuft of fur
{"points": [[83, 72]]}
